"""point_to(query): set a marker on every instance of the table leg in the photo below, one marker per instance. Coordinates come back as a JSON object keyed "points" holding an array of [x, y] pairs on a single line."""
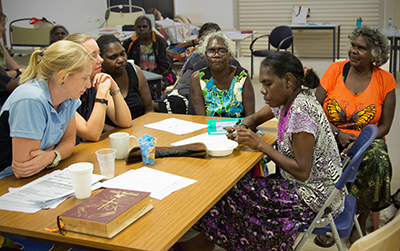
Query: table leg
{"points": [[334, 45], [391, 54], [338, 43], [238, 49], [396, 40], [158, 89]]}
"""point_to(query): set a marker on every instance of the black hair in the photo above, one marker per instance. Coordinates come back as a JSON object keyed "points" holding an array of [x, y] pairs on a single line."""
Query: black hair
{"points": [[53, 30], [104, 40], [282, 62], [208, 27], [144, 18]]}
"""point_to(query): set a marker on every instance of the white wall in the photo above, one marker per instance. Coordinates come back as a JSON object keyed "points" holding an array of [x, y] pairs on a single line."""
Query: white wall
{"points": [[75, 15], [217, 11]]}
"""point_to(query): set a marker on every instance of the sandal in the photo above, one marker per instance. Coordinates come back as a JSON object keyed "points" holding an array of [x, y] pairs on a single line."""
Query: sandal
{"points": [[324, 241]]}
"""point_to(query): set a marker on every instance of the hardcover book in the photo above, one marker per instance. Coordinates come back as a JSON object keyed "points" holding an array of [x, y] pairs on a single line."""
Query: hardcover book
{"points": [[106, 213]]}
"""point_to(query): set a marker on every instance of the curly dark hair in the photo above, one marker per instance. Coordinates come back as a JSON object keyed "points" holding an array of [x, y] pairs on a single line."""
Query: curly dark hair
{"points": [[376, 40], [104, 40]]}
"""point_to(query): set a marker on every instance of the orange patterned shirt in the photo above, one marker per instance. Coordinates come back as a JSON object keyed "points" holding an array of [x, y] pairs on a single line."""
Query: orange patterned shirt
{"points": [[351, 113]]}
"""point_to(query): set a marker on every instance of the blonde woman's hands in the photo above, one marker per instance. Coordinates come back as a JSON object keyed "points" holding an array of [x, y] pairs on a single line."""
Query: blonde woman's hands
{"points": [[40, 159]]}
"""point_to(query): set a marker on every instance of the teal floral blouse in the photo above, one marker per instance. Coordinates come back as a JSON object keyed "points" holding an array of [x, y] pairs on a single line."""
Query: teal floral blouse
{"points": [[223, 103]]}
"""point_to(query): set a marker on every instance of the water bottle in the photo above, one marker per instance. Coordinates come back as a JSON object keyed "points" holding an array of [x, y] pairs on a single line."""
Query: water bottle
{"points": [[359, 20], [390, 24]]}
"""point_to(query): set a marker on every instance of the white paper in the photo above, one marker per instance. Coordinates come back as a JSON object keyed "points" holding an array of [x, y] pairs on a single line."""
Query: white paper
{"points": [[176, 126], [45, 192], [51, 186], [159, 184], [202, 138]]}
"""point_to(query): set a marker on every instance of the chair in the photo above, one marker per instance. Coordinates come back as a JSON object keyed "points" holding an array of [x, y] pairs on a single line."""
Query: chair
{"points": [[342, 225], [281, 37], [117, 15], [24, 34], [385, 238], [189, 18]]}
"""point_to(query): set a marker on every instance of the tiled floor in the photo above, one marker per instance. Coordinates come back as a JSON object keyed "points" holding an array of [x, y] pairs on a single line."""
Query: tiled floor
{"points": [[319, 66]]}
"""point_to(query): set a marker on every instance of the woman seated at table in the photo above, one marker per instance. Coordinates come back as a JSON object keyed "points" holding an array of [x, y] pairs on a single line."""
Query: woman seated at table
{"points": [[104, 97], [6, 61], [37, 123], [149, 51], [130, 79], [220, 89], [355, 93], [264, 213]]}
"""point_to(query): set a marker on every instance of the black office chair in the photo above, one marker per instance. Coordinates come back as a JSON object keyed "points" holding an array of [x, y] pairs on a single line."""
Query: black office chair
{"points": [[281, 37]]}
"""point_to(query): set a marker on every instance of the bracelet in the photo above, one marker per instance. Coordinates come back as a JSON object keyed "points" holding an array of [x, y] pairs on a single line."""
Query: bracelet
{"points": [[115, 92], [247, 127], [18, 72], [336, 133]]}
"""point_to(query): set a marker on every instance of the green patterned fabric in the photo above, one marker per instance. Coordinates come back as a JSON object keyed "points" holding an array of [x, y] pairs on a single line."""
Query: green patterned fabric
{"points": [[372, 185]]}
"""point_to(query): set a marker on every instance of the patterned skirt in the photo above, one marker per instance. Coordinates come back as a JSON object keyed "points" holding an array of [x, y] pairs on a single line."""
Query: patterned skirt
{"points": [[262, 213], [372, 184]]}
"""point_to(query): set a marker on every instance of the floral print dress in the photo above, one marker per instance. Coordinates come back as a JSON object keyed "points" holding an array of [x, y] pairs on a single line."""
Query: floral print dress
{"points": [[264, 213], [223, 103]]}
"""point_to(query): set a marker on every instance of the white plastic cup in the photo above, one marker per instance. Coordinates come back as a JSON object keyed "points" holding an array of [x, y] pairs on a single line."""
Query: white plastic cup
{"points": [[120, 142], [81, 177], [106, 158], [119, 28]]}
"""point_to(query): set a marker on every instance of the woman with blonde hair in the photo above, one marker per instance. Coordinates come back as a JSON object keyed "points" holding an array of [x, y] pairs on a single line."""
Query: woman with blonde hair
{"points": [[103, 97], [37, 122]]}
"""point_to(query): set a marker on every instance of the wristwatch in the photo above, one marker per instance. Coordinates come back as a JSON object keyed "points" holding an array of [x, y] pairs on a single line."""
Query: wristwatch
{"points": [[56, 160], [101, 100], [336, 133]]}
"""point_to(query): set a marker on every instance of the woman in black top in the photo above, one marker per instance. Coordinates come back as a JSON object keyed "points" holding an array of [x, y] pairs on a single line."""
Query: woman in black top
{"points": [[130, 78]]}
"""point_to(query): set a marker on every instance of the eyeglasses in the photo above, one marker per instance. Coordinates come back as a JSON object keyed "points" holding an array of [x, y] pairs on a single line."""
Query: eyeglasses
{"points": [[221, 52]]}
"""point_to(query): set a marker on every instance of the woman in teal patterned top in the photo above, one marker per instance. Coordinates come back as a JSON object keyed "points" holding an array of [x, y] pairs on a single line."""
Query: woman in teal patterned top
{"points": [[221, 90]]}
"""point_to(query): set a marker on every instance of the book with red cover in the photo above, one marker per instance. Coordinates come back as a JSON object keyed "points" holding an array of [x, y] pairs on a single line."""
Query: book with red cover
{"points": [[106, 213]]}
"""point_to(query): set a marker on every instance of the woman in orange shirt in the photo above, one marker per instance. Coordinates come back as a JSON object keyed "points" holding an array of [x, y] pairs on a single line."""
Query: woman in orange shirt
{"points": [[355, 93]]}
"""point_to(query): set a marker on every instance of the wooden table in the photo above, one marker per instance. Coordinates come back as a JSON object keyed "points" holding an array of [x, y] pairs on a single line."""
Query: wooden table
{"points": [[171, 217]]}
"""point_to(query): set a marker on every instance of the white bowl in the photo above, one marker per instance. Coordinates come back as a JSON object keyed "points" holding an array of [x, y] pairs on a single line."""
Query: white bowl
{"points": [[221, 147]]}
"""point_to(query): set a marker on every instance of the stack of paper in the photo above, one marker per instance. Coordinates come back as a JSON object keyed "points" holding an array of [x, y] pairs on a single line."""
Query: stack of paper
{"points": [[45, 192]]}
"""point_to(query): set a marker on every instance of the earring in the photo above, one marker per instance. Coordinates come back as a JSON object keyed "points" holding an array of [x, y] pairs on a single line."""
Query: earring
{"points": [[62, 83]]}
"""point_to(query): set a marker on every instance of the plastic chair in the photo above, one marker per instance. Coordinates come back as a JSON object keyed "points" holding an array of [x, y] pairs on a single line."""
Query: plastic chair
{"points": [[281, 37], [385, 238], [24, 34], [123, 14], [342, 225]]}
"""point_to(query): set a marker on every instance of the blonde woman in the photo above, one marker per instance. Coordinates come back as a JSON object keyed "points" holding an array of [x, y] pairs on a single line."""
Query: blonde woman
{"points": [[104, 97], [37, 122]]}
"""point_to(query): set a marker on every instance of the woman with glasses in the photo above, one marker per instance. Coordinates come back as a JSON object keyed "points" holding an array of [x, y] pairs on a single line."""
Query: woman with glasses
{"points": [[220, 89]]}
